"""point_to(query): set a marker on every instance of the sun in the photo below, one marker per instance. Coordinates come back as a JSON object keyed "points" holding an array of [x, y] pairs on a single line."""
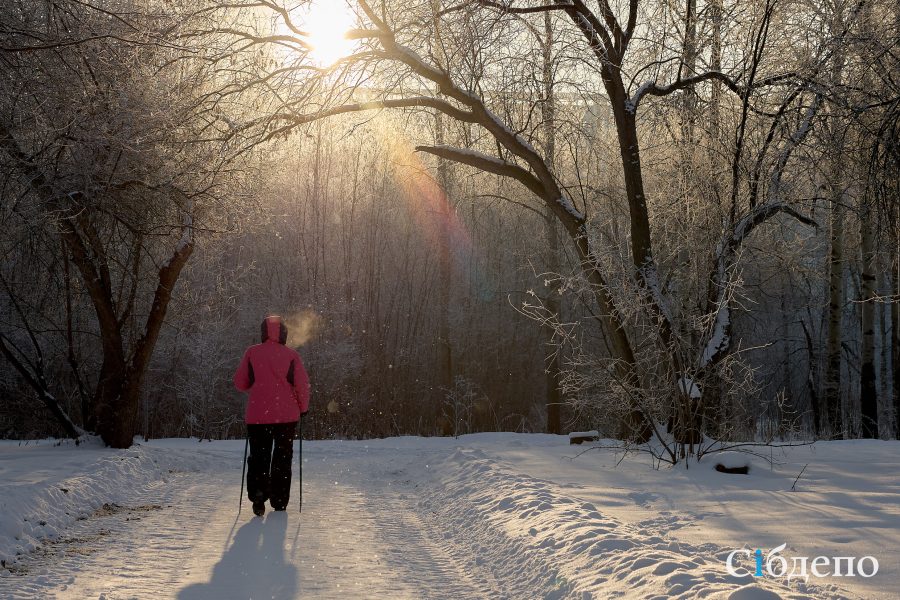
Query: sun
{"points": [[327, 23]]}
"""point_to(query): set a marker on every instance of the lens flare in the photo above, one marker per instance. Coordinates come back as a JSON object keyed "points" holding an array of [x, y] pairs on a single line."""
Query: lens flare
{"points": [[432, 209]]}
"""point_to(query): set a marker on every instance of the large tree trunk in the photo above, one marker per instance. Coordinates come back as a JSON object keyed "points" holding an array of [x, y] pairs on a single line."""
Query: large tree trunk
{"points": [[641, 241], [119, 392], [629, 150]]}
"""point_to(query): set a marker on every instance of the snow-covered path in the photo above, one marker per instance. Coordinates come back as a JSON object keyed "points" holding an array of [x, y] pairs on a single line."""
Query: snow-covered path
{"points": [[357, 537], [504, 516]]}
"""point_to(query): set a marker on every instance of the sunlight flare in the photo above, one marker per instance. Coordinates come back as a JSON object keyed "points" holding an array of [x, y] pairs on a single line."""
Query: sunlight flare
{"points": [[327, 24]]}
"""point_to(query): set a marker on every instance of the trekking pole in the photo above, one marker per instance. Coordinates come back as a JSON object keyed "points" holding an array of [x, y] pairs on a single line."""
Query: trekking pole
{"points": [[243, 471], [300, 465]]}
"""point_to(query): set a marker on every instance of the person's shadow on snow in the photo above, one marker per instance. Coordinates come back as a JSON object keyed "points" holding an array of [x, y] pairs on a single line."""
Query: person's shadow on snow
{"points": [[254, 566]]}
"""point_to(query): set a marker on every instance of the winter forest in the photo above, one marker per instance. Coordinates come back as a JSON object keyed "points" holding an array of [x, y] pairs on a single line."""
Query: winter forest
{"points": [[674, 221]]}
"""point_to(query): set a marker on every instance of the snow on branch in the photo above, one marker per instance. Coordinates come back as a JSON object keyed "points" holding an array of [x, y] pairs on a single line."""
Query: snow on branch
{"points": [[569, 207], [725, 251], [508, 7], [795, 140], [596, 34], [33, 374], [650, 277], [478, 112], [185, 244], [719, 336], [488, 163], [758, 216], [187, 228], [654, 89]]}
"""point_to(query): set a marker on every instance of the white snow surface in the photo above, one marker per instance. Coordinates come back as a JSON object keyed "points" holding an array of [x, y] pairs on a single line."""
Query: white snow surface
{"points": [[689, 387], [483, 516], [733, 460]]}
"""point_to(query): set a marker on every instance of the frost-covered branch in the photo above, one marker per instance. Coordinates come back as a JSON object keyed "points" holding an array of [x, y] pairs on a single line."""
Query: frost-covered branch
{"points": [[717, 339], [292, 120], [187, 229], [488, 163], [508, 7], [654, 89], [37, 382], [795, 140], [33, 371]]}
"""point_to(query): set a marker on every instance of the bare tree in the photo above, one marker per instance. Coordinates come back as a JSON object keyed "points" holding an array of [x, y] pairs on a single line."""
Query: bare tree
{"points": [[102, 175]]}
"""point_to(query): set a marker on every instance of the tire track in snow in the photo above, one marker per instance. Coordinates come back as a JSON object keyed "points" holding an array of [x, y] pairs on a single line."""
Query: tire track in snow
{"points": [[373, 481], [422, 557]]}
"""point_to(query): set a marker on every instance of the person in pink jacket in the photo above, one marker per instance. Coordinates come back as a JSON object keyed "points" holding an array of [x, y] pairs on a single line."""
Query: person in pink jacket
{"points": [[279, 396]]}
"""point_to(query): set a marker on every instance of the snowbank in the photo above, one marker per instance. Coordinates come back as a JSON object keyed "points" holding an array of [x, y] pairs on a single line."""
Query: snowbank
{"points": [[47, 485], [533, 533]]}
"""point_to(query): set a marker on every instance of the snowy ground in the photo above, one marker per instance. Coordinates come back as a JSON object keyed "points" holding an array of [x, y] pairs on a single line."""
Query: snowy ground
{"points": [[485, 516]]}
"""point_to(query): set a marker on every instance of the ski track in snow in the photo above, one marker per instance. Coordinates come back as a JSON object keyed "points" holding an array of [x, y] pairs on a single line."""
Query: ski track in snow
{"points": [[378, 522]]}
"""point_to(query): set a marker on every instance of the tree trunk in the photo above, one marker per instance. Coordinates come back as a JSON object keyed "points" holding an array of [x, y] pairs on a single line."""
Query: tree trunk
{"points": [[833, 350], [689, 58], [812, 377], [893, 339], [629, 150], [832, 389], [868, 381], [895, 348], [107, 396], [552, 262], [869, 392], [715, 96], [119, 394], [445, 349]]}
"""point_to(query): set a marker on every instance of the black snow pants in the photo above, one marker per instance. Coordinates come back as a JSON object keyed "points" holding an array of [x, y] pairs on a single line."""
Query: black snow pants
{"points": [[269, 463]]}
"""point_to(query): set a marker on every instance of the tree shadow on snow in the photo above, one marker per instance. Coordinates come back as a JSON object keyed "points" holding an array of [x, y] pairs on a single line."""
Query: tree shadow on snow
{"points": [[254, 566]]}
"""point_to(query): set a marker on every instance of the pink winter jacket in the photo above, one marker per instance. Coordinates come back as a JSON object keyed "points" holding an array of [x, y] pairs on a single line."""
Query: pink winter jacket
{"points": [[266, 371]]}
